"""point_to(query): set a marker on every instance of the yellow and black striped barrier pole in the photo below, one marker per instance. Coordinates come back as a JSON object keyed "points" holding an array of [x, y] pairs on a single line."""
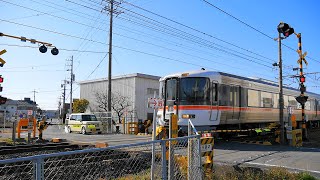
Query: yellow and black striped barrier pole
{"points": [[207, 145], [302, 87]]}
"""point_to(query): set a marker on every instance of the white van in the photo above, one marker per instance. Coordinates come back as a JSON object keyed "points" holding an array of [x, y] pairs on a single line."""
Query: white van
{"points": [[83, 123]]}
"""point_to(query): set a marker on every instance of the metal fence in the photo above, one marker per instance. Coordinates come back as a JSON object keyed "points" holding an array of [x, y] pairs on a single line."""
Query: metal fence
{"points": [[130, 161]]}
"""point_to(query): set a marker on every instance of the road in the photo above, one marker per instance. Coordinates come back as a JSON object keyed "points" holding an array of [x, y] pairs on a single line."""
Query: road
{"points": [[296, 159]]}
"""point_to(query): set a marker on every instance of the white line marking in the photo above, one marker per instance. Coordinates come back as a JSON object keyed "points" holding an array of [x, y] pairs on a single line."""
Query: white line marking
{"points": [[272, 165]]}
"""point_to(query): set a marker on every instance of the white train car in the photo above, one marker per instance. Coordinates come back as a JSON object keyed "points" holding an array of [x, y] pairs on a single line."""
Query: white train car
{"points": [[217, 100]]}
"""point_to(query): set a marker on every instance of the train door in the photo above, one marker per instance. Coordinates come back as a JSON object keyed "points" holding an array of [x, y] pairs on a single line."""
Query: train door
{"points": [[214, 115], [236, 103], [233, 112]]}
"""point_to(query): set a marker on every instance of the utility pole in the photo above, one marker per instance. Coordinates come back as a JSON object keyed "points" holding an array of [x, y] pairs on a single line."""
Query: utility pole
{"points": [[59, 106], [71, 81], [110, 56], [281, 104], [34, 103], [64, 102], [286, 30]]}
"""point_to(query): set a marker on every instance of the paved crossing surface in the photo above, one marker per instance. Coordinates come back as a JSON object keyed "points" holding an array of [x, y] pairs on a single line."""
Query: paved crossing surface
{"points": [[295, 159]]}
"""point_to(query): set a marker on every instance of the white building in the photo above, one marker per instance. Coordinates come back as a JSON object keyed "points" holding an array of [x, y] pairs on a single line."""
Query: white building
{"points": [[137, 87]]}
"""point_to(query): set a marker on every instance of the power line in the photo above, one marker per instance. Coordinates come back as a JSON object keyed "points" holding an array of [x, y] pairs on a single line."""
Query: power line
{"points": [[76, 22], [134, 13], [86, 39], [251, 27], [201, 32], [186, 32], [97, 65], [62, 49]]}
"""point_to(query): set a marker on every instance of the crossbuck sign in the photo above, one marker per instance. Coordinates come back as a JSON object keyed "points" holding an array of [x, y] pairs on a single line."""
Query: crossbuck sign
{"points": [[155, 103]]}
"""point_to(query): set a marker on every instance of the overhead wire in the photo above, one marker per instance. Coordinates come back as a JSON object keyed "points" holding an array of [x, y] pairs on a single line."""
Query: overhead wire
{"points": [[162, 24], [132, 12], [251, 27], [82, 38]]}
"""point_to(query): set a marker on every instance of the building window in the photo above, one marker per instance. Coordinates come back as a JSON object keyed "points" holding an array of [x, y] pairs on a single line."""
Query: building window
{"points": [[150, 91]]}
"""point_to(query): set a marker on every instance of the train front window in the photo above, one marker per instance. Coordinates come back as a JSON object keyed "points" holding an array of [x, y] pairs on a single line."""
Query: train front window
{"points": [[171, 89], [194, 91]]}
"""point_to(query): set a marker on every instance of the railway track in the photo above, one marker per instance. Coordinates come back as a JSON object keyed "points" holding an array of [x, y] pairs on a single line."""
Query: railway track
{"points": [[5, 150]]}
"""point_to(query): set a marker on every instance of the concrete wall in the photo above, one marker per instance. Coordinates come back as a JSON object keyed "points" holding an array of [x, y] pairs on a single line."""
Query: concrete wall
{"points": [[135, 87]]}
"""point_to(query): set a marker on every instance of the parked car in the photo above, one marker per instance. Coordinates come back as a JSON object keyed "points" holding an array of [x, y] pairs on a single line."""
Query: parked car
{"points": [[83, 123]]}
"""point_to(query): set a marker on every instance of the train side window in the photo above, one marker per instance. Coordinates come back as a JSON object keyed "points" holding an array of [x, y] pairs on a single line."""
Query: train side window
{"points": [[231, 92], [275, 100], [253, 98], [285, 101], [224, 92], [308, 105], [292, 102], [244, 97], [214, 92], [266, 99], [236, 97]]}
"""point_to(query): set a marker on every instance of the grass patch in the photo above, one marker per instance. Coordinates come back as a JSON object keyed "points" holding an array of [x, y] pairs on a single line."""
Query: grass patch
{"points": [[7, 141], [250, 173], [228, 173]]}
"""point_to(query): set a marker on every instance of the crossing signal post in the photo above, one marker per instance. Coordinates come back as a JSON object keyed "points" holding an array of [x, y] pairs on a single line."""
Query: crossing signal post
{"points": [[302, 99], [286, 30], [44, 45]]}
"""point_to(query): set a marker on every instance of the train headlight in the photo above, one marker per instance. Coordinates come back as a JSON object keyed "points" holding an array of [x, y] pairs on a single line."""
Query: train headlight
{"points": [[188, 116]]}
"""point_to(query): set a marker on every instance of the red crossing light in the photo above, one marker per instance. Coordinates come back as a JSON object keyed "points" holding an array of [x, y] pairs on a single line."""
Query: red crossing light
{"points": [[1, 79], [285, 29], [302, 79]]}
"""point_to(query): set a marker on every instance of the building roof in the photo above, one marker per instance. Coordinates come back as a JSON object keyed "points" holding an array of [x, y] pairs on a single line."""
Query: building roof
{"points": [[18, 103], [122, 77]]}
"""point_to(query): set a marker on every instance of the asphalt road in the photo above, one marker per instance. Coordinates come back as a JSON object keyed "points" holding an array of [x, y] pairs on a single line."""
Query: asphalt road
{"points": [[295, 159]]}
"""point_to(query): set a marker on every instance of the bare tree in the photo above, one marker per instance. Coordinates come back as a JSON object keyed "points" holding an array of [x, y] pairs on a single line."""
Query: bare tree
{"points": [[119, 103]]}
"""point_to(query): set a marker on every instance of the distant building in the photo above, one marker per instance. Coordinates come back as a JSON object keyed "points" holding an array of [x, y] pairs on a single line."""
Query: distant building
{"points": [[51, 113], [137, 87], [13, 109]]}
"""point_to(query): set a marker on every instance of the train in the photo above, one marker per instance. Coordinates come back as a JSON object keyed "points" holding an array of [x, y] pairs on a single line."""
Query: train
{"points": [[215, 100]]}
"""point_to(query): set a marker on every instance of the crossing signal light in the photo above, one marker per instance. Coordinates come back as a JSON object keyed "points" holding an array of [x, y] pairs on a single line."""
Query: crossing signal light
{"points": [[54, 51], [302, 99], [3, 100], [43, 49], [1, 81], [302, 79], [302, 88], [285, 29]]}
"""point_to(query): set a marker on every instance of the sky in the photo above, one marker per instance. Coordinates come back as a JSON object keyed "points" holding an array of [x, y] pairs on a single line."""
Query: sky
{"points": [[156, 37]]}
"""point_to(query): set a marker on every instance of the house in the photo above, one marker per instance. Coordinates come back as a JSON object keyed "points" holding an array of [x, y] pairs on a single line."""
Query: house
{"points": [[14, 109]]}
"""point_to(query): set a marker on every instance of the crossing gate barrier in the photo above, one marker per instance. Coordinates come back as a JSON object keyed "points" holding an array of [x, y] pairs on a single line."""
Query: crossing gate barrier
{"points": [[25, 125], [207, 144]]}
